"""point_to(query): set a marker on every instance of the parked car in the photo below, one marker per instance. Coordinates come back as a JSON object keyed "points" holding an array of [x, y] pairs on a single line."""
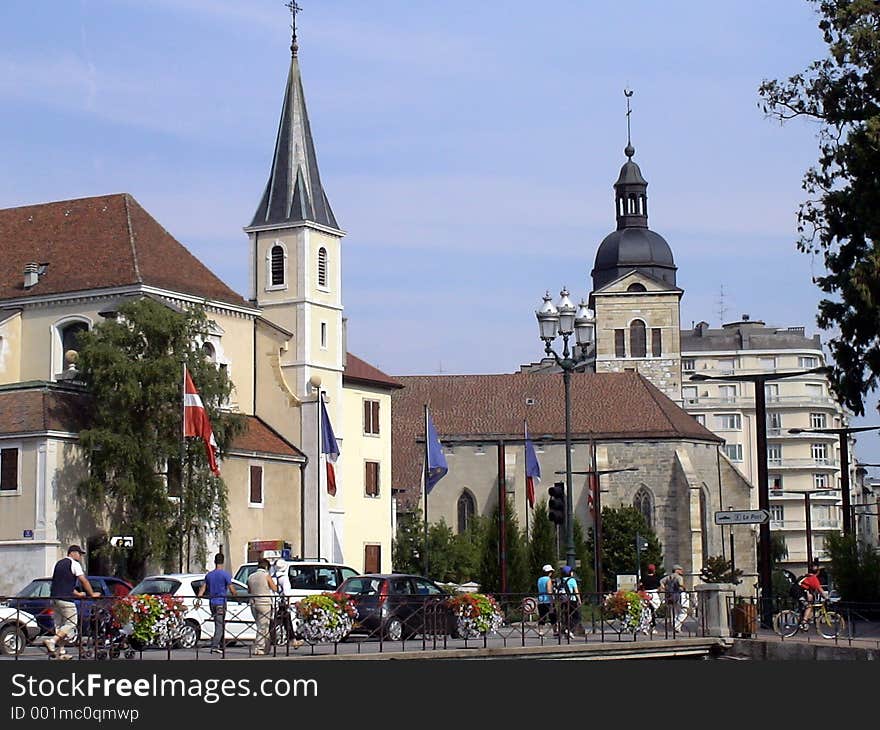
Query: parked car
{"points": [[198, 624], [17, 629], [35, 599], [307, 577], [398, 606]]}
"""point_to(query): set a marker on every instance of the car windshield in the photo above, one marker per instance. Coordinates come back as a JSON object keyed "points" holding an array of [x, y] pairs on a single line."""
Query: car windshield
{"points": [[36, 589], [361, 586], [244, 572], [155, 586]]}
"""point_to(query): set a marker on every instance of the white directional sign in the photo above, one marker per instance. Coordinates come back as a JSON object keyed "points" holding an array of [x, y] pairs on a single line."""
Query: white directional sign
{"points": [[122, 541], [742, 517]]}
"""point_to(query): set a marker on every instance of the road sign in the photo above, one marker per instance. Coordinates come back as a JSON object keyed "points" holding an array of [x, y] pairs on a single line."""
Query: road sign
{"points": [[742, 517], [122, 541], [27, 533]]}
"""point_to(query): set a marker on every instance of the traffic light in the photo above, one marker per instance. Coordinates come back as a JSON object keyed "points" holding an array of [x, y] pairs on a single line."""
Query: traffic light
{"points": [[556, 508]]}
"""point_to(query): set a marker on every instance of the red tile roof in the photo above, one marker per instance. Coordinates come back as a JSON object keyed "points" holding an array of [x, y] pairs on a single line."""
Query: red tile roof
{"points": [[360, 371], [261, 438], [33, 408], [97, 243], [606, 406]]}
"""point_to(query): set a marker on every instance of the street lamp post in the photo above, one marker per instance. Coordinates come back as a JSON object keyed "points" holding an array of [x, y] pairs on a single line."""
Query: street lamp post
{"points": [[843, 439], [564, 319], [760, 380]]}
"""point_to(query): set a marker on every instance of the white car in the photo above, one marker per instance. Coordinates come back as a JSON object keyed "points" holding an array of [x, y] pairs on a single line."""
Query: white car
{"points": [[198, 623], [307, 577], [17, 629]]}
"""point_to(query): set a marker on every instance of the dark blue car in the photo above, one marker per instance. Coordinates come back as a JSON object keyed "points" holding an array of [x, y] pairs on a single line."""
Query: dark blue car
{"points": [[34, 598]]}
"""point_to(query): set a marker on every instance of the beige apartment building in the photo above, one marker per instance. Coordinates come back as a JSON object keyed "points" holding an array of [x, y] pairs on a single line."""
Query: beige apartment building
{"points": [[800, 466]]}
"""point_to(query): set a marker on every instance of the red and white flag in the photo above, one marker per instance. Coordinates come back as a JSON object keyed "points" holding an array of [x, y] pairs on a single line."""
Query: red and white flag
{"points": [[195, 421]]}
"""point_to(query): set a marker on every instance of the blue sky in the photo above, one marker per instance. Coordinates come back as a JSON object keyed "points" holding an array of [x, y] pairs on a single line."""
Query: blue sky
{"points": [[468, 149]]}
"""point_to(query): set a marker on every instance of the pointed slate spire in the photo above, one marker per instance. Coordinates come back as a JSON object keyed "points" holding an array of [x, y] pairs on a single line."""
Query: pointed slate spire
{"points": [[294, 192]]}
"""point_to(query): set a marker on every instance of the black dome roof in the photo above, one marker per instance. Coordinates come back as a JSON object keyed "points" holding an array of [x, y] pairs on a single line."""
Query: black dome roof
{"points": [[633, 248]]}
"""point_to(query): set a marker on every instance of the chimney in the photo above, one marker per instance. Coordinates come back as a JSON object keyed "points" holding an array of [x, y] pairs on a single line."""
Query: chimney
{"points": [[31, 274]]}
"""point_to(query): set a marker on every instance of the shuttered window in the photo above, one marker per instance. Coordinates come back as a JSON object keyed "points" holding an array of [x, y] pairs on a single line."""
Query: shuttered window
{"points": [[277, 265], [256, 490], [371, 417], [8, 470], [371, 478], [322, 266], [372, 558]]}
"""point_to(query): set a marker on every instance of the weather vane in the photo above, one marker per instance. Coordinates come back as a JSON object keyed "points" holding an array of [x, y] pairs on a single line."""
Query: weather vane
{"points": [[630, 150], [294, 9]]}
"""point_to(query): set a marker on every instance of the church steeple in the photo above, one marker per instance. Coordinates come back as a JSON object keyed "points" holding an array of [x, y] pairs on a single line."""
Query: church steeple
{"points": [[294, 192], [631, 189]]}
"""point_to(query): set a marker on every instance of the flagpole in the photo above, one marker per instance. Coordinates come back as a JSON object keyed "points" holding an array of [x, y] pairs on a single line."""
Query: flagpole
{"points": [[425, 476], [182, 471], [318, 489], [525, 464]]}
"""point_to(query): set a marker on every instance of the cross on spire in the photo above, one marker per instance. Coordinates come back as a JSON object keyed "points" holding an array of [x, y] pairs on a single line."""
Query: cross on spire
{"points": [[294, 9], [630, 150]]}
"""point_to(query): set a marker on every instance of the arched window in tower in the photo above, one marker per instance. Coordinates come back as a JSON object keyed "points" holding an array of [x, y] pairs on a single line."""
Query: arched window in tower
{"points": [[637, 343], [704, 521], [322, 266], [644, 504], [277, 265], [64, 358], [209, 352], [467, 507], [636, 287]]}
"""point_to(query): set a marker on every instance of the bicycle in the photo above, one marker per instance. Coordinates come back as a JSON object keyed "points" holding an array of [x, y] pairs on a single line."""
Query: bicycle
{"points": [[829, 624]]}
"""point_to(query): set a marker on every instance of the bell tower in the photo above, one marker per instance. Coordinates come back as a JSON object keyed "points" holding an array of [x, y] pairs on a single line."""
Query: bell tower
{"points": [[296, 279]]}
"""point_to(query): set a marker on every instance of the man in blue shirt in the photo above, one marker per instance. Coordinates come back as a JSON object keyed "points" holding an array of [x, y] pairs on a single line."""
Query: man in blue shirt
{"points": [[217, 582]]}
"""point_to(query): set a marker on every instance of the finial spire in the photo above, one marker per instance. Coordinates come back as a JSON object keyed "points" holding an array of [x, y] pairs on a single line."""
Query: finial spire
{"points": [[294, 9], [630, 150]]}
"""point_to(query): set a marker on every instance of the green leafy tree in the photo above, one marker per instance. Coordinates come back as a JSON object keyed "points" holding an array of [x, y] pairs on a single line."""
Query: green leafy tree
{"points": [[840, 220], [468, 550], [441, 553], [132, 368], [619, 528], [518, 579], [718, 569], [584, 555], [543, 548], [406, 547], [855, 568]]}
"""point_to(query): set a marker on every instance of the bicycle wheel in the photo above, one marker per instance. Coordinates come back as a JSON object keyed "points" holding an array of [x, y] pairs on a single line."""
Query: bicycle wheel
{"points": [[786, 623], [830, 625]]}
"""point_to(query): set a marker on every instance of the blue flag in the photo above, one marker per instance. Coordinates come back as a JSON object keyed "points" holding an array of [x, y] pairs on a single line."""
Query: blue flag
{"points": [[533, 470], [436, 458]]}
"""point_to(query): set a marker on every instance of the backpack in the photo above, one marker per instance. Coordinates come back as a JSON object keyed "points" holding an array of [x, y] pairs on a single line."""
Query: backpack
{"points": [[672, 587], [563, 590], [796, 591]]}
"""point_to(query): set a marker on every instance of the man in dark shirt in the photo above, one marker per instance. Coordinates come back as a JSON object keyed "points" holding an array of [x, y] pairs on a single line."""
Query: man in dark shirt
{"points": [[217, 582], [67, 574], [650, 585]]}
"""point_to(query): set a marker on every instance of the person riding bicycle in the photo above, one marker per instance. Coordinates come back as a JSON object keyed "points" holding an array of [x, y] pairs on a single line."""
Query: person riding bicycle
{"points": [[812, 590]]}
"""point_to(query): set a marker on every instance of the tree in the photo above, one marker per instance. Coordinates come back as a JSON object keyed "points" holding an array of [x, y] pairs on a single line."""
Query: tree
{"points": [[132, 367], [518, 580], [841, 217], [543, 547], [719, 569], [619, 528], [855, 567], [406, 547]]}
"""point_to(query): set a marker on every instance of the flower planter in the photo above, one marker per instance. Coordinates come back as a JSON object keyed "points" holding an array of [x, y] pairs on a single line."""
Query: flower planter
{"points": [[474, 615], [328, 617]]}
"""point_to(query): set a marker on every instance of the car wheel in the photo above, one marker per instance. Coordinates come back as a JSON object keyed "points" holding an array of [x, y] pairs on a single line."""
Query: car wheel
{"points": [[189, 635], [12, 640], [393, 629]]}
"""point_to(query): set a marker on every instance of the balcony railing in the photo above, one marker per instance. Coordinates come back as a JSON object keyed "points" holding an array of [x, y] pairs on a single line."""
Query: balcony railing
{"points": [[802, 463], [801, 525]]}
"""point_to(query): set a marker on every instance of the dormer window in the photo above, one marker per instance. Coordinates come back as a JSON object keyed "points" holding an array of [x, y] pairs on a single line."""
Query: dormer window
{"points": [[636, 287], [322, 267]]}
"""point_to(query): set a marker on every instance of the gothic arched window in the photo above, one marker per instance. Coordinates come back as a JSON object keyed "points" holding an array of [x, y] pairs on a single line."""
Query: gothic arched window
{"points": [[644, 504], [637, 343], [467, 507]]}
